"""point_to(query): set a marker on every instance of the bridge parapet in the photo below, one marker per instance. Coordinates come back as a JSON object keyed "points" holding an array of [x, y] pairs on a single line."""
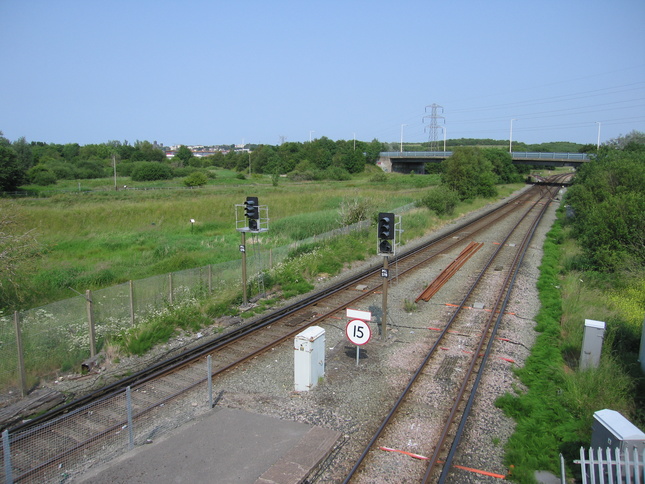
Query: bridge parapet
{"points": [[517, 155], [521, 155], [405, 161]]}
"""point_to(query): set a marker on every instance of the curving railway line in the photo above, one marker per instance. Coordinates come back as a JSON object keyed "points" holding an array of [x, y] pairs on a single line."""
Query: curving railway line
{"points": [[441, 435], [80, 431]]}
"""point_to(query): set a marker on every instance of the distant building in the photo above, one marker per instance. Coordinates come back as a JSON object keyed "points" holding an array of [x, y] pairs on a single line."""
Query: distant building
{"points": [[199, 151]]}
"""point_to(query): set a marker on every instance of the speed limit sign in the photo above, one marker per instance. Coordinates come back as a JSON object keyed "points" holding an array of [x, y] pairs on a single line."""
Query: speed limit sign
{"points": [[358, 332]]}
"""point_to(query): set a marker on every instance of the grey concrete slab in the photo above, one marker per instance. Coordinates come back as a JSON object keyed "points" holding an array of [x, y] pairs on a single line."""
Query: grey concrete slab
{"points": [[545, 477], [310, 451], [226, 446]]}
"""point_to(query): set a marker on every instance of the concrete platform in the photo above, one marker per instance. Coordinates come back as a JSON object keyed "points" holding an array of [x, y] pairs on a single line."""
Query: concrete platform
{"points": [[227, 446]]}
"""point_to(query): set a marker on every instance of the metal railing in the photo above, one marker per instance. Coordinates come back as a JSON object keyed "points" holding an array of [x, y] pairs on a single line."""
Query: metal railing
{"points": [[517, 155], [522, 155], [58, 450]]}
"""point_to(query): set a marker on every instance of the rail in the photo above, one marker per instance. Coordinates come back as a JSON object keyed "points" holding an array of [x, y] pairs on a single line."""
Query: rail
{"points": [[27, 464], [487, 336]]}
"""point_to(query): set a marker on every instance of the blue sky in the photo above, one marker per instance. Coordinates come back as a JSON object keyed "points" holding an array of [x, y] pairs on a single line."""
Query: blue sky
{"points": [[224, 72]]}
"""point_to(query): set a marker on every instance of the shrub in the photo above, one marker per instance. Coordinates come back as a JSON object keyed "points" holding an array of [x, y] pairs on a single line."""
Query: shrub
{"points": [[89, 169], [442, 200], [469, 173], [608, 201], [61, 169], [336, 173], [183, 171], [39, 175], [196, 179], [301, 175], [150, 171], [354, 210], [125, 168]]}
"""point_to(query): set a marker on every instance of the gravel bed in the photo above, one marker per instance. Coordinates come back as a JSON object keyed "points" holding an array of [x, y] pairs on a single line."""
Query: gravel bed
{"points": [[352, 398]]}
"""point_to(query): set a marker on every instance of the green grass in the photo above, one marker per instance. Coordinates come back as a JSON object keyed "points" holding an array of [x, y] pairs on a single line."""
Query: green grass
{"points": [[554, 415], [297, 274], [98, 239], [95, 239], [160, 328]]}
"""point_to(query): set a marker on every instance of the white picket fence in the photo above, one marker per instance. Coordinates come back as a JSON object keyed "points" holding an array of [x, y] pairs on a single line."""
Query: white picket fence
{"points": [[599, 467]]}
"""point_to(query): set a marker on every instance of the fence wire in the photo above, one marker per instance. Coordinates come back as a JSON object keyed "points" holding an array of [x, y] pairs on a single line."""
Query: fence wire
{"points": [[62, 328], [9, 352], [58, 450], [46, 453], [66, 447]]}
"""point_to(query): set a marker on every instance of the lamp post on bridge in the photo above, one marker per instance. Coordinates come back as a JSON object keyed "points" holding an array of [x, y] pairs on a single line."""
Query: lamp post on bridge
{"points": [[402, 137], [510, 138]]}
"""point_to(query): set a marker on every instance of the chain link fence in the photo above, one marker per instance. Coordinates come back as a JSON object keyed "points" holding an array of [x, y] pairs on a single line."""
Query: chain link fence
{"points": [[58, 450], [59, 336]]}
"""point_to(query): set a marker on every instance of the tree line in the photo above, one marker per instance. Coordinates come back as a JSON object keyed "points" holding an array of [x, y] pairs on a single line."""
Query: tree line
{"points": [[43, 164], [38, 163]]}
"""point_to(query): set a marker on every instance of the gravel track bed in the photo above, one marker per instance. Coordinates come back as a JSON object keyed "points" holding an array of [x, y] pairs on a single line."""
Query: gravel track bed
{"points": [[353, 399]]}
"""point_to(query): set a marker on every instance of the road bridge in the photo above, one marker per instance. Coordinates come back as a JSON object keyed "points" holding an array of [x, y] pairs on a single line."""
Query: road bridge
{"points": [[414, 161]]}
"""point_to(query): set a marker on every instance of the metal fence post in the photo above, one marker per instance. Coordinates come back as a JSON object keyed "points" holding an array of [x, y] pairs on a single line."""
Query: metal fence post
{"points": [[21, 354], [132, 302], [210, 278], [8, 474], [90, 321], [128, 398], [209, 370], [170, 288]]}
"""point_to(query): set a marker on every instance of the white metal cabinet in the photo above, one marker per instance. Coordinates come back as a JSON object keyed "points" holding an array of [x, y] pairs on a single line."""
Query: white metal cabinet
{"points": [[309, 358]]}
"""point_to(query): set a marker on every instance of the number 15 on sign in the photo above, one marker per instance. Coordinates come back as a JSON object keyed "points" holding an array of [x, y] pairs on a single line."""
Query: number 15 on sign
{"points": [[359, 333]]}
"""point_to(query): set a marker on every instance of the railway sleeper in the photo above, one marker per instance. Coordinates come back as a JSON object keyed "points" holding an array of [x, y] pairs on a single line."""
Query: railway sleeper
{"points": [[107, 416]]}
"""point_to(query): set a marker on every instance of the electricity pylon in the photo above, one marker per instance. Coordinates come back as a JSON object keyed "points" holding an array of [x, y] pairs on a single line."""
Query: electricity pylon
{"points": [[434, 125]]}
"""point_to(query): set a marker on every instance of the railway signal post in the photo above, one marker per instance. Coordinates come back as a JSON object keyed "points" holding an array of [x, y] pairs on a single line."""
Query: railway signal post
{"points": [[254, 219], [386, 246]]}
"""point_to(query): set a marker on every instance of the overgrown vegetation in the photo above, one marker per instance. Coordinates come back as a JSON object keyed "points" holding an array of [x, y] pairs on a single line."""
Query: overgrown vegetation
{"points": [[46, 164], [161, 327], [98, 239], [17, 247], [579, 281], [608, 200], [442, 200]]}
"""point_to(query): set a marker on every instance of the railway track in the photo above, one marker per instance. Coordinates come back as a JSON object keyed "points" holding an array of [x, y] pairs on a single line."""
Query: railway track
{"points": [[452, 368], [79, 430]]}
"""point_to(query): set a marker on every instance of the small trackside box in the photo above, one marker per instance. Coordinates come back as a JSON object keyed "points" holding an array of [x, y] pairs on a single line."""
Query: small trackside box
{"points": [[308, 358], [611, 429]]}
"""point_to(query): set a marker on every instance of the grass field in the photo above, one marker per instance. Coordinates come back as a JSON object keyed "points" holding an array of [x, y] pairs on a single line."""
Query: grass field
{"points": [[97, 239], [103, 237]]}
